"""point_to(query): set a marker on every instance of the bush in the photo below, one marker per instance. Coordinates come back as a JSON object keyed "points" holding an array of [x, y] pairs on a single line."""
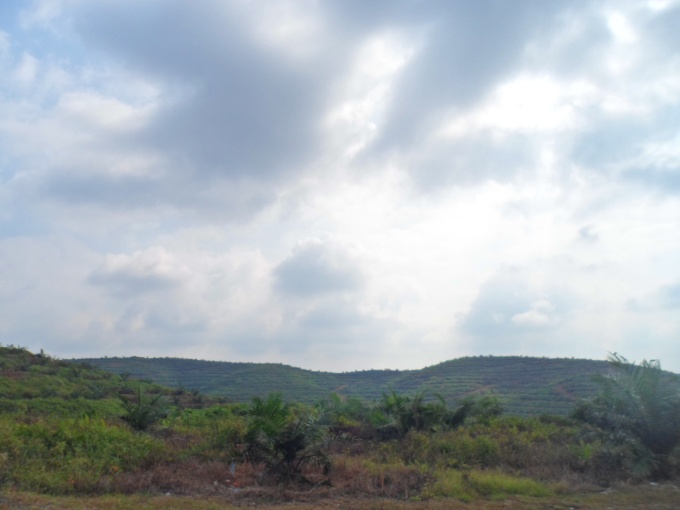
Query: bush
{"points": [[216, 432], [638, 407], [143, 411], [66, 455], [285, 439]]}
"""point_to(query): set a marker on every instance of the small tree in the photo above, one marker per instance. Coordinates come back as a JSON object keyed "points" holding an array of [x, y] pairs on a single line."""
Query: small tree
{"points": [[638, 406], [283, 439], [475, 409], [415, 413], [343, 411], [143, 411]]}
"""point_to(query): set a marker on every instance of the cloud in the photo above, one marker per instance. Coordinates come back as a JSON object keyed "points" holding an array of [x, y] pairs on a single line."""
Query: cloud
{"points": [[151, 270], [256, 111], [666, 297], [472, 160], [538, 315], [41, 291], [317, 269], [465, 51], [517, 310], [588, 234], [465, 177], [670, 296]]}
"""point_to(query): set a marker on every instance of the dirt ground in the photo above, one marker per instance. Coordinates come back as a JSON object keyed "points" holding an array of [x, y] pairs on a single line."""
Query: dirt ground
{"points": [[648, 497]]}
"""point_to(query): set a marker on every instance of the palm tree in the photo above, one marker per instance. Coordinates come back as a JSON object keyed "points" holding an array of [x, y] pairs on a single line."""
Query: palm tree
{"points": [[283, 440], [638, 405], [144, 410]]}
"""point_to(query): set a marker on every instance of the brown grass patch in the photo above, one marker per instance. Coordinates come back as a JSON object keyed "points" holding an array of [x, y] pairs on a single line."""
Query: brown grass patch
{"points": [[180, 478], [359, 476]]}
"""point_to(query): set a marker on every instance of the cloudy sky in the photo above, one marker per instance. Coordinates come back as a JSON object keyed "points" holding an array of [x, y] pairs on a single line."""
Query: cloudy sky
{"points": [[341, 184]]}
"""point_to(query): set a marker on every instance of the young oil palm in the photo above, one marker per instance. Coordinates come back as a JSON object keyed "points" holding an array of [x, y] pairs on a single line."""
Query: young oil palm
{"points": [[283, 440], [638, 406]]}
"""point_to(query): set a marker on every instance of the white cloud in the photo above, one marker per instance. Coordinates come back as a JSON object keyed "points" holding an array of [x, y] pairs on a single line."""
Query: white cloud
{"points": [[27, 70], [527, 104], [96, 111], [151, 270], [538, 315], [367, 92]]}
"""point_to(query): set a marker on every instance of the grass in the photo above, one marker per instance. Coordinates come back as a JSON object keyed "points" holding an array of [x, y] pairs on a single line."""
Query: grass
{"points": [[67, 441], [64, 456], [638, 497], [473, 485], [191, 450]]}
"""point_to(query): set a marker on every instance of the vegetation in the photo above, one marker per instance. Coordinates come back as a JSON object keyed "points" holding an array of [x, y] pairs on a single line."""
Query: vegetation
{"points": [[284, 439], [70, 455], [402, 413], [638, 408], [143, 411], [526, 386], [139, 438]]}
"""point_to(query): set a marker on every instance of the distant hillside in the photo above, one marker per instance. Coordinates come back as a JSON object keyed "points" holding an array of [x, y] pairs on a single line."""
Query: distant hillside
{"points": [[527, 386], [38, 385]]}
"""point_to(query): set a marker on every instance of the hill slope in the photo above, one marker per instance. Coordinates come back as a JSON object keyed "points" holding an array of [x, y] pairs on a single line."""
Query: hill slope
{"points": [[39, 385], [527, 386]]}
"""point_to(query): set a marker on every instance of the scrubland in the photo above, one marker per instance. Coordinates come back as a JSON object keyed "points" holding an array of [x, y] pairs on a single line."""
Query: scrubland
{"points": [[122, 443]]}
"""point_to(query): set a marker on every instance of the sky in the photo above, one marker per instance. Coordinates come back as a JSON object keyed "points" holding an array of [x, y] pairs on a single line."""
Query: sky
{"points": [[340, 184]]}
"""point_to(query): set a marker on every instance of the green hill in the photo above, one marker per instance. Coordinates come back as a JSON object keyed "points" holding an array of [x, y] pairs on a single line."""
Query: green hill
{"points": [[39, 385], [527, 386]]}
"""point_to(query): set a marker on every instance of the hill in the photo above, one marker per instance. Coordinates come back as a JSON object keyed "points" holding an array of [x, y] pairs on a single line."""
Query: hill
{"points": [[64, 429], [527, 386], [39, 385]]}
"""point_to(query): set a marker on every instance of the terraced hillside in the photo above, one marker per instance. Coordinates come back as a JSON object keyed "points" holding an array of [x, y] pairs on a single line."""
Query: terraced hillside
{"points": [[527, 386]]}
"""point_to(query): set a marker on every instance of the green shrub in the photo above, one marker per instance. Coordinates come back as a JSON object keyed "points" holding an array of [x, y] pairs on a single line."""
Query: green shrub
{"points": [[216, 432], [285, 438], [451, 448], [143, 411], [638, 407], [68, 455]]}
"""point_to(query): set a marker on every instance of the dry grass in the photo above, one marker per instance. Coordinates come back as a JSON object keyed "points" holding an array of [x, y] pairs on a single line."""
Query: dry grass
{"points": [[188, 464], [360, 476]]}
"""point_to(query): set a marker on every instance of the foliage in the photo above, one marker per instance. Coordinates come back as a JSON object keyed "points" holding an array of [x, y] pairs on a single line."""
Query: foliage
{"points": [[59, 407], [528, 446], [285, 439], [539, 385], [216, 432], [416, 413], [144, 410], [70, 455], [343, 411], [74, 442], [639, 407], [478, 409], [412, 413], [40, 385]]}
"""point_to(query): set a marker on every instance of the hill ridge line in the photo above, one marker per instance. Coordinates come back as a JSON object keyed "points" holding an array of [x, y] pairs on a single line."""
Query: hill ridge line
{"points": [[280, 364], [527, 385]]}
